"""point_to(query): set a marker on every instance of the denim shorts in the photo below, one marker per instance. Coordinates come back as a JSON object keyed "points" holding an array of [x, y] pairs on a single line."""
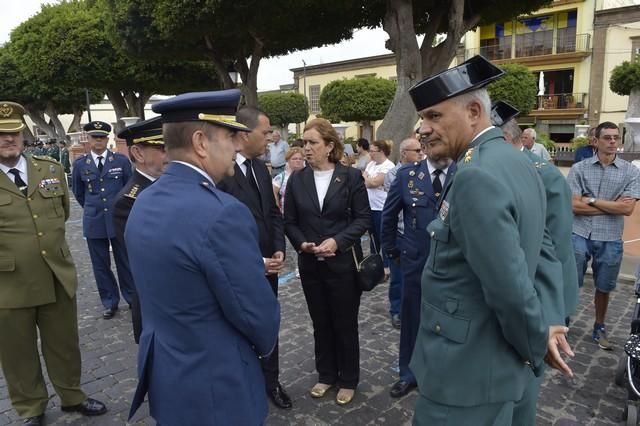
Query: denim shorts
{"points": [[606, 258]]}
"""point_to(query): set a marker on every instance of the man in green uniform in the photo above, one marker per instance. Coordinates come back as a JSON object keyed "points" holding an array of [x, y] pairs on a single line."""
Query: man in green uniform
{"points": [[38, 277], [483, 336]]}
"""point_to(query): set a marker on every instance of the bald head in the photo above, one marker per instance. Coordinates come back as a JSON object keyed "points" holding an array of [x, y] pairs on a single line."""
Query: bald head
{"points": [[410, 151]]}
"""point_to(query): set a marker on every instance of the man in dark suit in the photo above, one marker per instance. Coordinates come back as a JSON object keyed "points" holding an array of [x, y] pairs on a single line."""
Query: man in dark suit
{"points": [[97, 179], [209, 314], [146, 151], [251, 184], [415, 193]]}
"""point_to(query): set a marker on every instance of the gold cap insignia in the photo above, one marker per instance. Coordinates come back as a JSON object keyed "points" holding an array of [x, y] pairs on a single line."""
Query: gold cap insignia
{"points": [[6, 111]]}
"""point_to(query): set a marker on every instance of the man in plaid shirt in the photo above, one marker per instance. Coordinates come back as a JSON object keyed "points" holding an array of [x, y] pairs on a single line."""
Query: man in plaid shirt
{"points": [[605, 189]]}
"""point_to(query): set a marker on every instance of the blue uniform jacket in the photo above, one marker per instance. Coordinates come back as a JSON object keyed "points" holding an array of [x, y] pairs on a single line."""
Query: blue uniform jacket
{"points": [[208, 309], [412, 194], [96, 192]]}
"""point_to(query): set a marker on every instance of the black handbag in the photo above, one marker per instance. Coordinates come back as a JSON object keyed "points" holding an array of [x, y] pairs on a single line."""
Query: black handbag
{"points": [[370, 270]]}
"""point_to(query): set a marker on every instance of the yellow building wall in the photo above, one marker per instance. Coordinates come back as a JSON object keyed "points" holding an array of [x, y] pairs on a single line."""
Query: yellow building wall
{"points": [[388, 72], [618, 50]]}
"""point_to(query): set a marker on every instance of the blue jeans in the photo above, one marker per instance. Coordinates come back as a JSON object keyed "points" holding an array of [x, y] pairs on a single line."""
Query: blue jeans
{"points": [[606, 259]]}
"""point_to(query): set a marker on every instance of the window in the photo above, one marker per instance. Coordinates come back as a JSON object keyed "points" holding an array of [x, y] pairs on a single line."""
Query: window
{"points": [[314, 98]]}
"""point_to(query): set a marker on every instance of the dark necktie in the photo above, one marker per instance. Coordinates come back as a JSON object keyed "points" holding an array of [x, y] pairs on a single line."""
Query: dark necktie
{"points": [[252, 180], [18, 180], [100, 165], [437, 185]]}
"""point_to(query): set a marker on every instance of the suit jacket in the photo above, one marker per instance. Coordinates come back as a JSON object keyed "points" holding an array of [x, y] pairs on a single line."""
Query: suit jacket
{"points": [[208, 310], [412, 194], [33, 248], [345, 214], [481, 321], [562, 292], [265, 211], [96, 192]]}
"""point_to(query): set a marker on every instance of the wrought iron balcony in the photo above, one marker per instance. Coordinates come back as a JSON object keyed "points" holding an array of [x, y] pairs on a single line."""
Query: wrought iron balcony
{"points": [[534, 44], [562, 101]]}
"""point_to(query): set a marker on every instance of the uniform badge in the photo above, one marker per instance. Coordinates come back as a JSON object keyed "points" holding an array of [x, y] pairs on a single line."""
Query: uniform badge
{"points": [[444, 210], [421, 175], [412, 173], [111, 158], [88, 162], [52, 168], [6, 111], [410, 184], [468, 154], [338, 180]]}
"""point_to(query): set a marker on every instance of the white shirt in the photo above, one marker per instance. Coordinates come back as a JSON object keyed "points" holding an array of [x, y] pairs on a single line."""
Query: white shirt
{"points": [[277, 151], [197, 169], [377, 196], [22, 168], [442, 176], [540, 150], [322, 180], [240, 159], [151, 178], [103, 155]]}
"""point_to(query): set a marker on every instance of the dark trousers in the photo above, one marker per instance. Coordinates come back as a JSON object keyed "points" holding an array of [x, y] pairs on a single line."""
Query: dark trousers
{"points": [[270, 365], [333, 300], [57, 326], [105, 280], [410, 314], [395, 285]]}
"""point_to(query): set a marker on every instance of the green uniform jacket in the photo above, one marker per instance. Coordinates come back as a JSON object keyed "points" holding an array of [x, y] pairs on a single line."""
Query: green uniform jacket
{"points": [[482, 329], [33, 248], [559, 223]]}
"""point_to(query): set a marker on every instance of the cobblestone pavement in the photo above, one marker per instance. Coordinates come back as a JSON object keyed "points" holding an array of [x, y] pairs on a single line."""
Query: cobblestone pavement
{"points": [[109, 355]]}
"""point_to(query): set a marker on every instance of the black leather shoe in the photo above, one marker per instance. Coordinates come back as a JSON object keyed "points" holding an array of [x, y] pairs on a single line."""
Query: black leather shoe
{"points": [[395, 321], [401, 388], [88, 407], [280, 398], [109, 313], [34, 421]]}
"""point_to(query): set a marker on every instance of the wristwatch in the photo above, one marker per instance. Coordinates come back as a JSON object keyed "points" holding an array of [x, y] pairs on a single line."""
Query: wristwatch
{"points": [[591, 201]]}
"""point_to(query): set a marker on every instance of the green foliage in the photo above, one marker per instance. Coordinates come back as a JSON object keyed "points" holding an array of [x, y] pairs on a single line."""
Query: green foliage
{"points": [[625, 77], [579, 142], [357, 99], [518, 87], [284, 108], [291, 137], [546, 141]]}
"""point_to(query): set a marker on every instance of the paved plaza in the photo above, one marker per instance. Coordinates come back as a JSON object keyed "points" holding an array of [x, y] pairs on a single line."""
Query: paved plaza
{"points": [[109, 362]]}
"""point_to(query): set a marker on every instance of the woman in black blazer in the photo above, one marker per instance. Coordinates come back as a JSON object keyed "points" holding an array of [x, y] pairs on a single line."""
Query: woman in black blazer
{"points": [[326, 213]]}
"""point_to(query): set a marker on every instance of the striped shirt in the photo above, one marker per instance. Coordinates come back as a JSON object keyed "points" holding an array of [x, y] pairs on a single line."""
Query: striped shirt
{"points": [[590, 178]]}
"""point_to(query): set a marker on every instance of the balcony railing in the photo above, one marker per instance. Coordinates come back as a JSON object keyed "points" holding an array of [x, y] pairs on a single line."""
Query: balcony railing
{"points": [[534, 44], [561, 101]]}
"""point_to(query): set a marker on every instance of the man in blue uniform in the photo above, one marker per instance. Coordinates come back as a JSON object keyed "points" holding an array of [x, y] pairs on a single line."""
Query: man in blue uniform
{"points": [[209, 312], [97, 179], [483, 334], [146, 150], [415, 193]]}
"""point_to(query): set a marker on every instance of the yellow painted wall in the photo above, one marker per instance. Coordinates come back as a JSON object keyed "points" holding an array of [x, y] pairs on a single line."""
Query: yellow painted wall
{"points": [[618, 50]]}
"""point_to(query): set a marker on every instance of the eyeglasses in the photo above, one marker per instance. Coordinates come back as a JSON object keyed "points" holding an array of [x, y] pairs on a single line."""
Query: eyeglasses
{"points": [[610, 137], [418, 150]]}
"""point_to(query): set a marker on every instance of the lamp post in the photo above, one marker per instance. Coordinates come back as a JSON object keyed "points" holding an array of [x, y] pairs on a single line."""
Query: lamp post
{"points": [[233, 74], [88, 101], [304, 82]]}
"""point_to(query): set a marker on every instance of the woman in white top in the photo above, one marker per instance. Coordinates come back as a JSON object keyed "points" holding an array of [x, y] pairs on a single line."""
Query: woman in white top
{"points": [[294, 161]]}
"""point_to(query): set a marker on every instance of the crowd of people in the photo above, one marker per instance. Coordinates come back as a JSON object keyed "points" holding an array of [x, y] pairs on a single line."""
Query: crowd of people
{"points": [[484, 248]]}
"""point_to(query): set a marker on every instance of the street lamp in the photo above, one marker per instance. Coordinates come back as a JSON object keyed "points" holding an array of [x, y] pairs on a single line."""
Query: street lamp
{"points": [[233, 74], [86, 95]]}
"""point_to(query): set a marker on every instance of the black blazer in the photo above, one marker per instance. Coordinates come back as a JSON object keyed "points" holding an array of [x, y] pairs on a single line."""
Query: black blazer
{"points": [[265, 210], [345, 213], [124, 203]]}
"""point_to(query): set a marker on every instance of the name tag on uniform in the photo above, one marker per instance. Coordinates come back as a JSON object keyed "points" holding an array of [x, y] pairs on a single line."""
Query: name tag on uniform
{"points": [[115, 170]]}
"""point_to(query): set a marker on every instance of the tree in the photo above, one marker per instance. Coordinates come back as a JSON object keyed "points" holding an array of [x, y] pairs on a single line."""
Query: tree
{"points": [[234, 34], [625, 81], [518, 87], [404, 19], [67, 45], [43, 102], [284, 108], [358, 99]]}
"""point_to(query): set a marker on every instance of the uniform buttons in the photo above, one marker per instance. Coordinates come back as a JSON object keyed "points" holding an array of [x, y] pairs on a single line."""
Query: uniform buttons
{"points": [[433, 234], [102, 189], [106, 209], [35, 216], [40, 234], [29, 199], [44, 252], [101, 180], [437, 328], [104, 199], [413, 205]]}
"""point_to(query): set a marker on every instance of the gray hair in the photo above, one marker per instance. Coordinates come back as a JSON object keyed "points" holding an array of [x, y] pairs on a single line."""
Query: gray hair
{"points": [[480, 95], [530, 131], [405, 142], [511, 127]]}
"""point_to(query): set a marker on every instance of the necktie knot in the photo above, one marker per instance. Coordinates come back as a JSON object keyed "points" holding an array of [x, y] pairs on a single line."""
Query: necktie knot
{"points": [[437, 172]]}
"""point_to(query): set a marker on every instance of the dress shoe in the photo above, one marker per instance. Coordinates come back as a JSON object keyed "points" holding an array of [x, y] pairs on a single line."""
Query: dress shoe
{"points": [[88, 407], [34, 421], [401, 388], [319, 389], [109, 313], [395, 321], [279, 397], [345, 396]]}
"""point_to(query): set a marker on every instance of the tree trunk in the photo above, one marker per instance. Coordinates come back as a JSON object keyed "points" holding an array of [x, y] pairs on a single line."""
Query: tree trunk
{"points": [[249, 73], [39, 120], [75, 123], [284, 132], [401, 117], [119, 104], [367, 130], [632, 137]]}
